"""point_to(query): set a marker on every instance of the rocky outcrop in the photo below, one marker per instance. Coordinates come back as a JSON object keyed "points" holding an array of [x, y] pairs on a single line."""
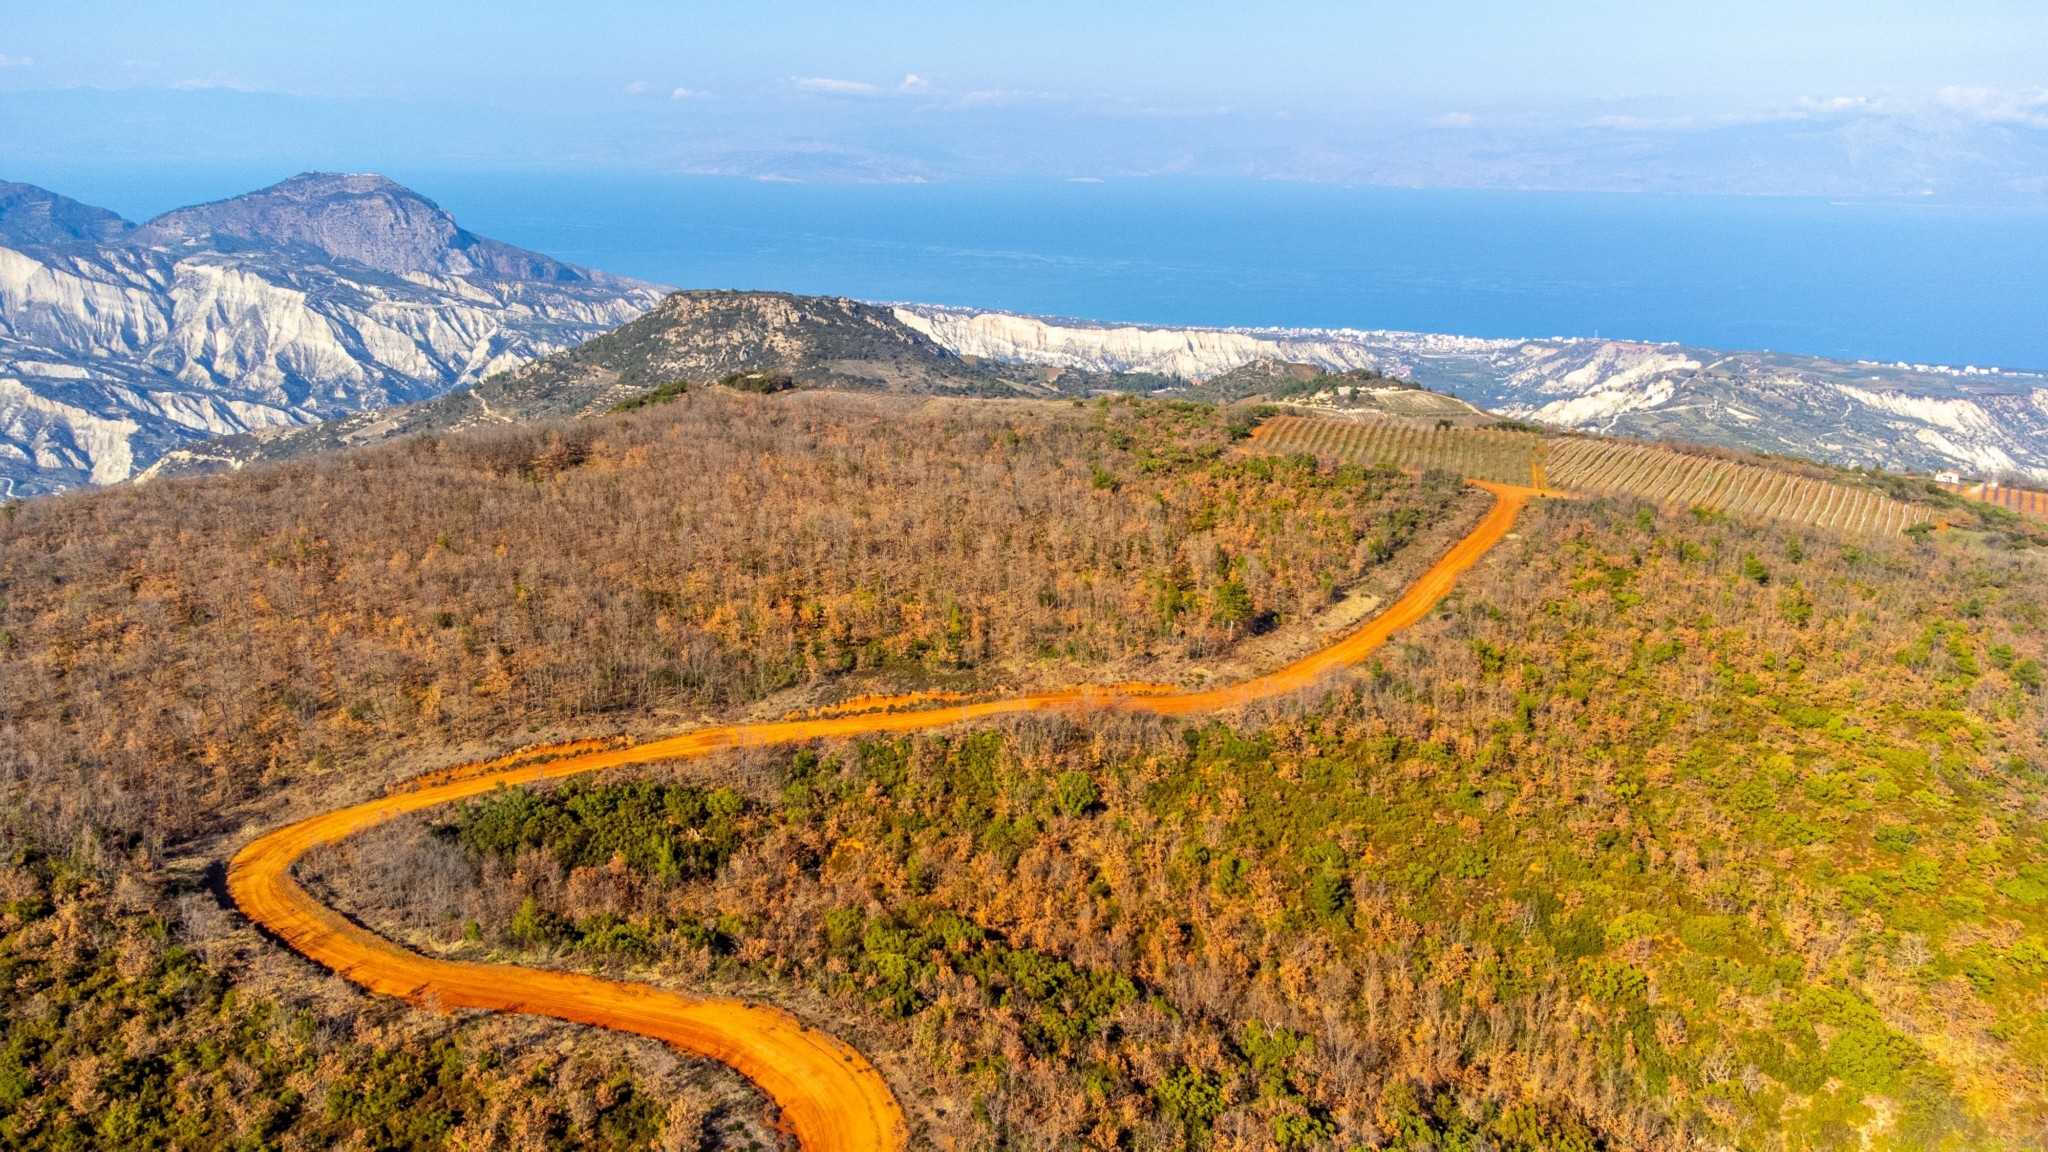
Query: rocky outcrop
{"points": [[1194, 353], [317, 298], [1896, 416]]}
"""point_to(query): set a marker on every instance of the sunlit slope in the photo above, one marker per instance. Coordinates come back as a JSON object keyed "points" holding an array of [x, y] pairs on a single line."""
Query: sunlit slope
{"points": [[1750, 491], [831, 1097], [2028, 502], [1599, 467], [1503, 457]]}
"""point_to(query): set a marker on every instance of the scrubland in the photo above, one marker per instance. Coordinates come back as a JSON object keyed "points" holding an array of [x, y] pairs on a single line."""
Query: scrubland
{"points": [[182, 663], [1666, 831]]}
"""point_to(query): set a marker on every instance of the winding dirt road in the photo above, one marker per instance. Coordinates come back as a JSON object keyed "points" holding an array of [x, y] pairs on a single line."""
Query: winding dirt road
{"points": [[830, 1096]]}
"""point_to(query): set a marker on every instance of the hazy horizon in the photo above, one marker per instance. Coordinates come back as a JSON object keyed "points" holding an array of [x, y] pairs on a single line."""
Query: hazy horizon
{"points": [[1900, 99], [1849, 180], [1881, 279]]}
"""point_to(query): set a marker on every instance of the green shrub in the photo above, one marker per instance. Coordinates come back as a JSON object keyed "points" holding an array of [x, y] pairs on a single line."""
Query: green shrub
{"points": [[765, 383], [537, 927], [1921, 874], [1074, 793], [1470, 863], [1233, 606], [1614, 982], [1712, 935], [659, 394], [1190, 1098], [1329, 897], [671, 830], [1302, 1130], [1755, 794], [2030, 887], [1631, 926]]}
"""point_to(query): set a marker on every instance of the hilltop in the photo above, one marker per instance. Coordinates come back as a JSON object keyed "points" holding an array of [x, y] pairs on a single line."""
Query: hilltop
{"points": [[362, 218], [1358, 391], [697, 338], [689, 338]]}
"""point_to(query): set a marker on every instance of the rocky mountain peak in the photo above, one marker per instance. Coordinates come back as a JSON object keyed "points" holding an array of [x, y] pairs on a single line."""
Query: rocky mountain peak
{"points": [[308, 300], [359, 216], [37, 216]]}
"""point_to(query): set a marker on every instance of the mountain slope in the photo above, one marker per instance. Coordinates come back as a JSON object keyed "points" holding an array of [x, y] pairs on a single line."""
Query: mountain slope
{"points": [[696, 337], [1360, 390], [32, 215], [362, 217], [819, 340], [319, 297], [1895, 416]]}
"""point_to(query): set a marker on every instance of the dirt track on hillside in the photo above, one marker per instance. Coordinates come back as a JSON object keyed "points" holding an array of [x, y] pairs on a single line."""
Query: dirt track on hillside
{"points": [[830, 1096]]}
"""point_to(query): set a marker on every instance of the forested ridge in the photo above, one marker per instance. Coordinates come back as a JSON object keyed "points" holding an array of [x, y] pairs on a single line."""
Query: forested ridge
{"points": [[181, 661], [174, 648]]}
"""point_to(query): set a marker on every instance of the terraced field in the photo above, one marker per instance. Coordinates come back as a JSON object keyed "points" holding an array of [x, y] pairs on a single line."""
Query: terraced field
{"points": [[1480, 453], [1751, 491], [2025, 501], [1597, 467]]}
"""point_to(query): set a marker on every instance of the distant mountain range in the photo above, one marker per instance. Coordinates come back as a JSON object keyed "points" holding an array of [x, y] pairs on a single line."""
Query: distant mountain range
{"points": [[809, 341], [816, 341], [1901, 417], [334, 310], [316, 298]]}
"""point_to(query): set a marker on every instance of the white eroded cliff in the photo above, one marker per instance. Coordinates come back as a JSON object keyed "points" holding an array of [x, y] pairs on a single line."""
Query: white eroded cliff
{"points": [[117, 348], [1887, 416]]}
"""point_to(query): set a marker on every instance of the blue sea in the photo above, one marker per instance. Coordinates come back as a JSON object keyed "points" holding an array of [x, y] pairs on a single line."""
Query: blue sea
{"points": [[1894, 279]]}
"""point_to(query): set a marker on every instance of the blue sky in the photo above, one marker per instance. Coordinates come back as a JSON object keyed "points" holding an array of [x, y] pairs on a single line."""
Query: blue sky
{"points": [[1876, 97]]}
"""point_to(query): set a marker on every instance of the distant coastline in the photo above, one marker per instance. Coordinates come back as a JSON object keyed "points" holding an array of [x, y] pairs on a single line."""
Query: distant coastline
{"points": [[1883, 280]]}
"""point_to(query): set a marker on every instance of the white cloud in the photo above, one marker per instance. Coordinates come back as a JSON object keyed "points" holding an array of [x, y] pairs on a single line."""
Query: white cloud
{"points": [[914, 83], [217, 80], [2029, 106], [7, 61], [637, 87], [1006, 97], [688, 94], [1625, 123], [838, 87], [1805, 108], [1838, 105], [1454, 120]]}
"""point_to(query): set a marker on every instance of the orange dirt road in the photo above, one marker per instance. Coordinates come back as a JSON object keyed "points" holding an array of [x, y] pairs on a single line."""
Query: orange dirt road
{"points": [[830, 1096]]}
